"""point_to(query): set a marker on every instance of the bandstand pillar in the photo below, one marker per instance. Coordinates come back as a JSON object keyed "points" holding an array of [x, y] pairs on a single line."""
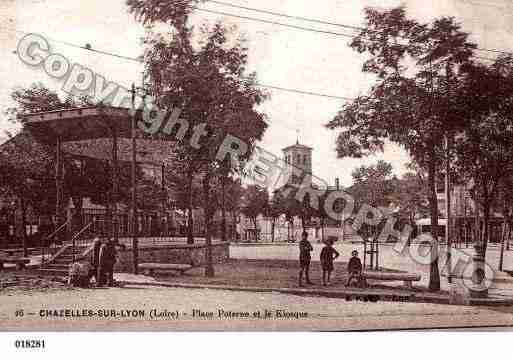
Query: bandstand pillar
{"points": [[115, 187], [58, 184]]}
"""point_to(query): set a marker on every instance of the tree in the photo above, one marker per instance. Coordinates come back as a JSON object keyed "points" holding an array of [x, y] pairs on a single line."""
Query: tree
{"points": [[484, 149], [229, 196], [187, 192], [202, 74], [373, 186], [505, 193], [25, 169], [39, 98], [26, 165], [290, 206], [411, 197], [28, 158], [273, 211], [254, 202], [415, 66]]}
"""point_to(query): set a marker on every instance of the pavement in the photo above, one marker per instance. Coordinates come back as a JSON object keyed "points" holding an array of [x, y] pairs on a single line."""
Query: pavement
{"points": [[152, 308]]}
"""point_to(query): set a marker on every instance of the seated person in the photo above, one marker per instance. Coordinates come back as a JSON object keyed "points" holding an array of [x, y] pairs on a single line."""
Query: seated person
{"points": [[80, 274], [354, 268]]}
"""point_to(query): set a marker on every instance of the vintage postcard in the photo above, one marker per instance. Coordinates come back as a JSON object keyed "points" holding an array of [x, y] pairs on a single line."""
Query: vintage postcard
{"points": [[236, 165]]}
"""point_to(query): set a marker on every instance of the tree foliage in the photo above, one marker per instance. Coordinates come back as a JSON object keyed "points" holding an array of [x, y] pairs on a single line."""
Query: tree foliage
{"points": [[255, 199], [203, 73], [483, 151], [415, 66]]}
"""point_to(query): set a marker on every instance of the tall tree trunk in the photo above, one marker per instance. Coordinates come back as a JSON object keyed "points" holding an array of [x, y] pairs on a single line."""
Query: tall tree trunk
{"points": [[223, 208], [509, 234], [322, 229], [209, 266], [434, 274], [503, 232], [273, 225], [254, 220], [190, 219], [108, 222], [234, 226], [503, 239], [486, 229], [477, 226], [412, 223], [23, 208]]}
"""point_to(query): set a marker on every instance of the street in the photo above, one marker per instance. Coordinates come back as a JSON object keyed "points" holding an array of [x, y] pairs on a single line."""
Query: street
{"points": [[134, 308]]}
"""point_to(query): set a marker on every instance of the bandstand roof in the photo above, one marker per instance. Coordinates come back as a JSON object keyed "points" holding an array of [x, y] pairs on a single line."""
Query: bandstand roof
{"points": [[87, 132], [77, 124]]}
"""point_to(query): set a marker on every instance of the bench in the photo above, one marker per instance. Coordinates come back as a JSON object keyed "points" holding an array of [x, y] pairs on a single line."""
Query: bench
{"points": [[12, 252], [19, 261], [407, 278], [150, 268]]}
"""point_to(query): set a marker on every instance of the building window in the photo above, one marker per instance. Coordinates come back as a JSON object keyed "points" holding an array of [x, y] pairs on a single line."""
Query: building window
{"points": [[304, 159]]}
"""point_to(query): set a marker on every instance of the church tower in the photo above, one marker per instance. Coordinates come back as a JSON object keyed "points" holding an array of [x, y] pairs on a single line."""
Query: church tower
{"points": [[298, 162]]}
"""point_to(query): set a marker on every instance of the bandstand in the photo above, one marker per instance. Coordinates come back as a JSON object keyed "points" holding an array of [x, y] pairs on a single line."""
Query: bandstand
{"points": [[109, 134]]}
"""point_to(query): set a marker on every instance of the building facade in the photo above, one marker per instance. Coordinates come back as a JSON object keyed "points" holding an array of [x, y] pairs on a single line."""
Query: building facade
{"points": [[298, 163]]}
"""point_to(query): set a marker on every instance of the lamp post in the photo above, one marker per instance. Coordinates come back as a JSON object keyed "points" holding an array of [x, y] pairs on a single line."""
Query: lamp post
{"points": [[135, 249]]}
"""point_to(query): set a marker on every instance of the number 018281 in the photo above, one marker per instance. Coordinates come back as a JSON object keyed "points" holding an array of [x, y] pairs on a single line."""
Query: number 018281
{"points": [[29, 344]]}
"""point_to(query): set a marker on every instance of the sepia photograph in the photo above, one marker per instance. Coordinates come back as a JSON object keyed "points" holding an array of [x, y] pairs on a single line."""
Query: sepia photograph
{"points": [[255, 166]]}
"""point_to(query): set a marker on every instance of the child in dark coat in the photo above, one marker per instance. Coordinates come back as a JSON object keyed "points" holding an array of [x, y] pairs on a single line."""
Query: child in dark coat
{"points": [[328, 255], [305, 247], [354, 268], [95, 259], [107, 260]]}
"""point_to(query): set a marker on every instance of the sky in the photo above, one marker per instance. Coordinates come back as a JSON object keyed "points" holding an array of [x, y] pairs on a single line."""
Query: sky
{"points": [[281, 56]]}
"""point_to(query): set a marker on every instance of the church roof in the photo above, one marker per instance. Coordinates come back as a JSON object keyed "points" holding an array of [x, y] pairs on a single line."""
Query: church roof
{"points": [[297, 145]]}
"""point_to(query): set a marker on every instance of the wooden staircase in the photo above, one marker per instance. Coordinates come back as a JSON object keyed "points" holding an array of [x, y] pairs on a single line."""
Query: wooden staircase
{"points": [[59, 264]]}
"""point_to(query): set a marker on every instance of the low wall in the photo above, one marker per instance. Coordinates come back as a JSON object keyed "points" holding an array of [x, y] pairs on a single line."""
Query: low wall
{"points": [[193, 254]]}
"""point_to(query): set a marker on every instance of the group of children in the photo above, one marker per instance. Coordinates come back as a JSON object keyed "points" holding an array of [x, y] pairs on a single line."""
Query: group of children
{"points": [[328, 255]]}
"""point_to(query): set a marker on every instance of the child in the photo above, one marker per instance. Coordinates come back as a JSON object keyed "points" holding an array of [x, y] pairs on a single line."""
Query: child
{"points": [[328, 255], [80, 274], [304, 258], [107, 260], [95, 258], [354, 268]]}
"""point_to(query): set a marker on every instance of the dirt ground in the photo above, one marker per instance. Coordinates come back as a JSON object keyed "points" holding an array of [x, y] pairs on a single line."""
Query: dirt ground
{"points": [[13, 282], [269, 273], [275, 273]]}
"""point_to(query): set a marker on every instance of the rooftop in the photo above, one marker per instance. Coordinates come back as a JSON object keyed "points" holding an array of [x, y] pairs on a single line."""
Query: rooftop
{"points": [[297, 145], [87, 131]]}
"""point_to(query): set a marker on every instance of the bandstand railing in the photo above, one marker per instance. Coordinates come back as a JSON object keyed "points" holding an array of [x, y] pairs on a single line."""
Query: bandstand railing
{"points": [[44, 240], [76, 236]]}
